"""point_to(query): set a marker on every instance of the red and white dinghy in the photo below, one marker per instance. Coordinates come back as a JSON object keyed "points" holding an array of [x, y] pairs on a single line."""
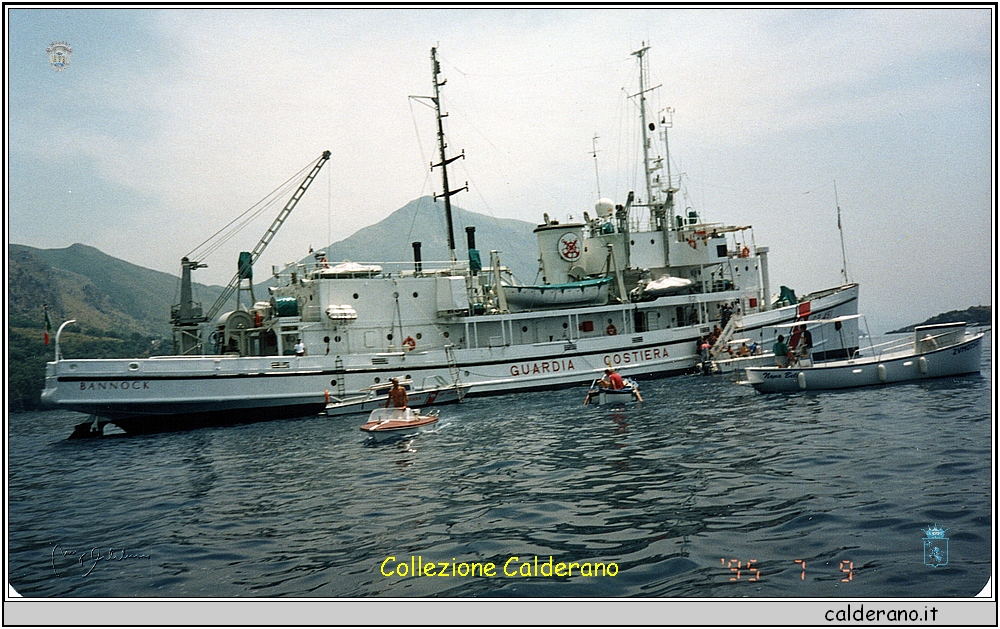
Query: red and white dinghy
{"points": [[386, 423]]}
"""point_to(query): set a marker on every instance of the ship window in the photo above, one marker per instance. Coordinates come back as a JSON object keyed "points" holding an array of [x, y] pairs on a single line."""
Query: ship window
{"points": [[377, 380], [355, 295], [446, 335], [632, 242], [720, 250], [333, 383], [524, 328], [415, 294], [419, 336], [565, 325], [326, 339], [336, 339], [388, 336]]}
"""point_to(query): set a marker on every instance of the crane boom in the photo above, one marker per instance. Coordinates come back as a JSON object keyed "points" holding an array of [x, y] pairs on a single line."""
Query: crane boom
{"points": [[268, 235]]}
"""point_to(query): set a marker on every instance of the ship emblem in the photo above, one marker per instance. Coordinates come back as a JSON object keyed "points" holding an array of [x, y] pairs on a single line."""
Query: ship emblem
{"points": [[935, 547], [569, 247], [59, 53]]}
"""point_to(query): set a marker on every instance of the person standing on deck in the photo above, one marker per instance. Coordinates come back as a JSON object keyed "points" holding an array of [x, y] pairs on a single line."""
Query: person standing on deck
{"points": [[397, 395]]}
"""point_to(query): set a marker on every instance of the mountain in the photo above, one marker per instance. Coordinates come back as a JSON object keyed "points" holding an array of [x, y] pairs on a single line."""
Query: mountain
{"points": [[99, 291], [423, 220], [974, 316]]}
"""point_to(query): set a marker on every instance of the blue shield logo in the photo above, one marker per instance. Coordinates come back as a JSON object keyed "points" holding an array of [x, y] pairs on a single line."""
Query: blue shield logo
{"points": [[935, 547]]}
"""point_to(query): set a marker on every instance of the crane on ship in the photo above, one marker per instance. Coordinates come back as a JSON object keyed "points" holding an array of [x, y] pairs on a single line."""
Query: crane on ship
{"points": [[187, 316]]}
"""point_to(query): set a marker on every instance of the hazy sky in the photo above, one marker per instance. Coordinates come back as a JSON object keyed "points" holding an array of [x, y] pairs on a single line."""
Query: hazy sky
{"points": [[167, 124]]}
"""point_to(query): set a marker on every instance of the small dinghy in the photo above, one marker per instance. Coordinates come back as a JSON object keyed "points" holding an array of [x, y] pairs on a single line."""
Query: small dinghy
{"points": [[604, 395], [391, 423]]}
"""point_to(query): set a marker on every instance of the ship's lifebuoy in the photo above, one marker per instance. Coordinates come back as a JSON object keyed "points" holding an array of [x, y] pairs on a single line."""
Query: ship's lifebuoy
{"points": [[409, 344], [693, 243], [745, 253], [611, 329]]}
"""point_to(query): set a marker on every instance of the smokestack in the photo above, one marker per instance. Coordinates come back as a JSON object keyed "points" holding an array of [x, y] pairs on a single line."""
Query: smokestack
{"points": [[470, 236], [416, 257]]}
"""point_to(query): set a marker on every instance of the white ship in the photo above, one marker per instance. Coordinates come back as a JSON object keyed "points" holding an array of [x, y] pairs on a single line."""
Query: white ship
{"points": [[461, 321]]}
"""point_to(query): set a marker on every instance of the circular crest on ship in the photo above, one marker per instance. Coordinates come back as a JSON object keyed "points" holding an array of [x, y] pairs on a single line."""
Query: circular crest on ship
{"points": [[59, 53], [569, 247]]}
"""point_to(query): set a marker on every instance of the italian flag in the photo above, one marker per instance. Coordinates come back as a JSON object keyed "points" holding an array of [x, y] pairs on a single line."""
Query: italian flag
{"points": [[48, 323]]}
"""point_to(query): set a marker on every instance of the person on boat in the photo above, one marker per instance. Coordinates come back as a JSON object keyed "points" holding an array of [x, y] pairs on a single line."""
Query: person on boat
{"points": [[615, 379], [397, 395], [300, 348], [780, 350], [806, 344], [603, 383], [754, 349], [743, 351]]}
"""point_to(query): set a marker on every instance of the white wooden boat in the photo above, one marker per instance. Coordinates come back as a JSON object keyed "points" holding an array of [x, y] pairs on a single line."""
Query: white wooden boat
{"points": [[603, 395], [935, 351], [435, 392], [393, 423]]}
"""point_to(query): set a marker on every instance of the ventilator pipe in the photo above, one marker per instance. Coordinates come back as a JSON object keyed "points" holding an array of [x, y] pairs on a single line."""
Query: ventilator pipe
{"points": [[417, 267]]}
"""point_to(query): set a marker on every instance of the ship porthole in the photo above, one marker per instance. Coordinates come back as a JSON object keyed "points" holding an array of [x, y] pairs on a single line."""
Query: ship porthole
{"points": [[355, 295], [333, 383], [524, 328], [415, 295], [336, 339], [419, 336], [377, 380], [446, 335], [133, 366], [326, 339], [388, 337]]}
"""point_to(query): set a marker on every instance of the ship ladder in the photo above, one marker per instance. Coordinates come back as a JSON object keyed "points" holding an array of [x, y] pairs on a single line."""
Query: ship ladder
{"points": [[735, 321], [456, 375], [338, 365]]}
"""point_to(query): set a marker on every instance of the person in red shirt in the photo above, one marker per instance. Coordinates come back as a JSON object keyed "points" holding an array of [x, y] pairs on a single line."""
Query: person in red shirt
{"points": [[616, 380]]}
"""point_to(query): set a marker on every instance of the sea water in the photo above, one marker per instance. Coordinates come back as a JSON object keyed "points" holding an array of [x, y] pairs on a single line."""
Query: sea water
{"points": [[706, 489]]}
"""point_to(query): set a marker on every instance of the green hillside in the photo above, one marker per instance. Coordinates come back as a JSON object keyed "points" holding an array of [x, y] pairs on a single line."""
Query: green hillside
{"points": [[974, 316]]}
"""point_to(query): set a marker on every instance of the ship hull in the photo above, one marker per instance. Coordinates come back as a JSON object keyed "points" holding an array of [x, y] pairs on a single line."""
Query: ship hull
{"points": [[164, 393]]}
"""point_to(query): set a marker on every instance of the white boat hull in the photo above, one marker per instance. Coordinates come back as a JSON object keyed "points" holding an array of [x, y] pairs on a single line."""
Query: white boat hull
{"points": [[954, 360]]}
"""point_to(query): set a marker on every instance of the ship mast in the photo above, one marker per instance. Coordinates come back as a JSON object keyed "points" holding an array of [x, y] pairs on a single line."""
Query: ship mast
{"points": [[649, 165], [436, 99]]}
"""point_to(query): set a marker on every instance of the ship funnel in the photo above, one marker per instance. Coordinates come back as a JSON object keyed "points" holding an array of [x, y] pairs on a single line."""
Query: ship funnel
{"points": [[416, 257], [475, 262]]}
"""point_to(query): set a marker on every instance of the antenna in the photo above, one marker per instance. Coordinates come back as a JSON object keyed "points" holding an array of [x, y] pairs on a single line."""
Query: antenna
{"points": [[840, 228], [597, 173]]}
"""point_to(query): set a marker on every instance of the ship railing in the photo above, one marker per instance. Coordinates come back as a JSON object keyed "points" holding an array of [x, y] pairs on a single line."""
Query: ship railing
{"points": [[387, 269]]}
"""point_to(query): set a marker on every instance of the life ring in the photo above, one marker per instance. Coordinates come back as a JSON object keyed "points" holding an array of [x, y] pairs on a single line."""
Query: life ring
{"points": [[611, 329], [745, 253], [693, 243], [409, 344]]}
